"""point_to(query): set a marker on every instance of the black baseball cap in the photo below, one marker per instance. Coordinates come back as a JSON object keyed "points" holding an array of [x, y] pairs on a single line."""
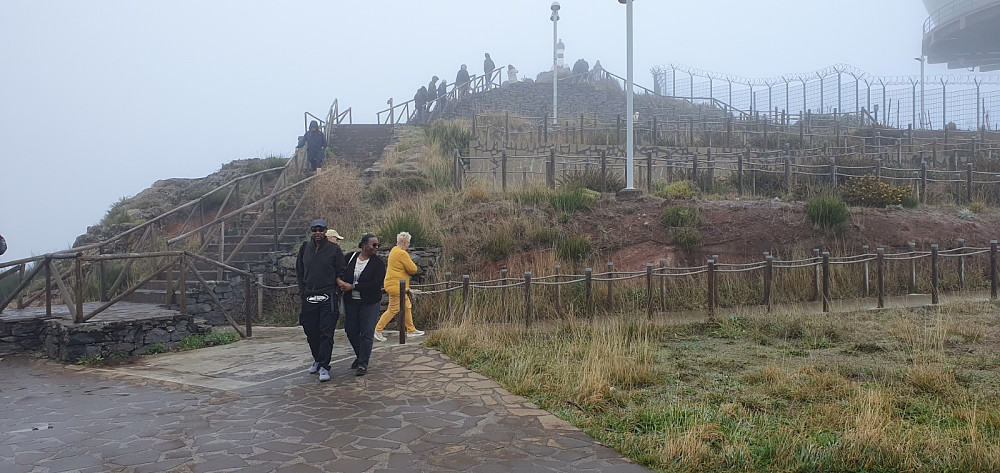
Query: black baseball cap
{"points": [[318, 223]]}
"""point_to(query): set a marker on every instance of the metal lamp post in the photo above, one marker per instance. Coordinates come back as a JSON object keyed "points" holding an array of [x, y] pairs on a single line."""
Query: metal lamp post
{"points": [[555, 68], [921, 59], [629, 109]]}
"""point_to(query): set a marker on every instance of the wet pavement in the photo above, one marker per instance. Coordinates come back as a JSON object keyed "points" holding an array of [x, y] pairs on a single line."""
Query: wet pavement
{"points": [[251, 406]]}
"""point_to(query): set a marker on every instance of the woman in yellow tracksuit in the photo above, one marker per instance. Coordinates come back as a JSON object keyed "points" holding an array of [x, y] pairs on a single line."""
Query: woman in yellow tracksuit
{"points": [[400, 266]]}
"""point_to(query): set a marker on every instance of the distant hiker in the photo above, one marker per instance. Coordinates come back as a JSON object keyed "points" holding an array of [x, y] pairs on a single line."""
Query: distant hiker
{"points": [[580, 70], [420, 103], [511, 74], [488, 67], [318, 270], [432, 94], [362, 300], [3, 245], [442, 94], [462, 82], [315, 144], [597, 72]]}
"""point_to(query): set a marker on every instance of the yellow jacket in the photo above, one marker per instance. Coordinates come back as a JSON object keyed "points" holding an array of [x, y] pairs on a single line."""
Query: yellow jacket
{"points": [[400, 266]]}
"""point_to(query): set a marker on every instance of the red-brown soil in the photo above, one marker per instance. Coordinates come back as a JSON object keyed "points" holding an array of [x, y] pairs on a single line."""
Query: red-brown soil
{"points": [[630, 233]]}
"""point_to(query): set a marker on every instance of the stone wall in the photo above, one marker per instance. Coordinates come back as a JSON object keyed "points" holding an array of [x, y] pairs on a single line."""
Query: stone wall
{"points": [[64, 340], [231, 294]]}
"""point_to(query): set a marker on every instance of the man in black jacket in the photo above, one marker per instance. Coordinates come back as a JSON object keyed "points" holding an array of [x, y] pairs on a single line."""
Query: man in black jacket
{"points": [[318, 271]]}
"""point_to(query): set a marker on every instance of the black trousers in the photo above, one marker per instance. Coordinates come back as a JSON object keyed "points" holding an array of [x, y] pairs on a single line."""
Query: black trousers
{"points": [[319, 321], [359, 323]]}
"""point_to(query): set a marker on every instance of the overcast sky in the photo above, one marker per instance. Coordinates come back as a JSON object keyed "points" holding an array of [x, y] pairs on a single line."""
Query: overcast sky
{"points": [[99, 99]]}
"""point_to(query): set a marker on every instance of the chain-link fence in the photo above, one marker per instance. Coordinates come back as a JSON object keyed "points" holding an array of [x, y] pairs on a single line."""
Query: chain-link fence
{"points": [[965, 101]]}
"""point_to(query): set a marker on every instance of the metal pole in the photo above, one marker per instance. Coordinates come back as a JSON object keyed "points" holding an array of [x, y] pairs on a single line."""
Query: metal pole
{"points": [[555, 69], [629, 171], [922, 59]]}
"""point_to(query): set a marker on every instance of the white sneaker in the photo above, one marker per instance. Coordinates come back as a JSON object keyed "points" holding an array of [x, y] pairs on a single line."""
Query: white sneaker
{"points": [[324, 375], [314, 368], [415, 333], [379, 337]]}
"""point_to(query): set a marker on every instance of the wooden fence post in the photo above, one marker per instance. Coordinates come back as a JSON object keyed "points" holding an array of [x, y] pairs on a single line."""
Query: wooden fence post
{"points": [[649, 291], [20, 281], [447, 294], [401, 314], [934, 273], [739, 171], [48, 286], [248, 305], [961, 263], [458, 174], [503, 170], [923, 182], [768, 280], [589, 289], [260, 298], [102, 284], [968, 183], [880, 276], [78, 266], [833, 172], [527, 299], [826, 281], [466, 282], [182, 284], [911, 282], [694, 170], [611, 292], [711, 289], [878, 169], [550, 169], [649, 171]]}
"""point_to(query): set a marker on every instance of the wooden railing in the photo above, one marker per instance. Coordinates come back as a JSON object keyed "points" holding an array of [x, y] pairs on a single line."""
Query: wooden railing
{"points": [[406, 111]]}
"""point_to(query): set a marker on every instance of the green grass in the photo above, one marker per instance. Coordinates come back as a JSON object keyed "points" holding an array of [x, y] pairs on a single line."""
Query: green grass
{"points": [[679, 216], [760, 392], [828, 212], [572, 199]]}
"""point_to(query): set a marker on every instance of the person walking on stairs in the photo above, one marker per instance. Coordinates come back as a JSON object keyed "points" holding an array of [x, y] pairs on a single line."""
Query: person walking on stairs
{"points": [[488, 67], [318, 270], [400, 267], [315, 144]]}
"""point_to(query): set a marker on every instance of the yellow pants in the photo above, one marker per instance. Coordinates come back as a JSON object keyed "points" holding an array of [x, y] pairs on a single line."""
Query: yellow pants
{"points": [[392, 310]]}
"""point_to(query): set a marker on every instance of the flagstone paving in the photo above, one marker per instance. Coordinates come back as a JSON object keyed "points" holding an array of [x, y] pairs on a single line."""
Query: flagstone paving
{"points": [[251, 406]]}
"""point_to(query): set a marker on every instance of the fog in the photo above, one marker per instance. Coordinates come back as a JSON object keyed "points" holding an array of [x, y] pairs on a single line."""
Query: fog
{"points": [[99, 99]]}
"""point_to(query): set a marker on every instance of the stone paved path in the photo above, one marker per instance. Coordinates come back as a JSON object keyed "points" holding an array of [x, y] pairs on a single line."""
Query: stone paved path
{"points": [[251, 406]]}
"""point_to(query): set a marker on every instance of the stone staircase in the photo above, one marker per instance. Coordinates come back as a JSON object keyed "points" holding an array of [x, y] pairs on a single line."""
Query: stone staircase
{"points": [[362, 144]]}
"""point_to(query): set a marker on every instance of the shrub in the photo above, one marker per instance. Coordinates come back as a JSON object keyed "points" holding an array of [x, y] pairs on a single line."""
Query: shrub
{"points": [[569, 200], [449, 135], [377, 193], [156, 348], [966, 214], [499, 245], [686, 237], [530, 195], [545, 235], [573, 248], [475, 194], [270, 162], [590, 178], [678, 190], [564, 218], [977, 207], [679, 216], [117, 213], [420, 234], [828, 211], [910, 201], [868, 191]]}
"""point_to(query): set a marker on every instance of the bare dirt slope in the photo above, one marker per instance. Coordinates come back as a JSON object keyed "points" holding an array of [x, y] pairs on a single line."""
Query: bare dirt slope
{"points": [[630, 233]]}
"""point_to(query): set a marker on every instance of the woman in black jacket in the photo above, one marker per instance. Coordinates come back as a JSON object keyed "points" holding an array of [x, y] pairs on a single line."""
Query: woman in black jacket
{"points": [[362, 300]]}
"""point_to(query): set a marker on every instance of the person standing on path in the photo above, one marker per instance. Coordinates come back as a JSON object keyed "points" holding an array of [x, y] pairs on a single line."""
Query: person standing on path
{"points": [[318, 270], [488, 67], [315, 144], [362, 299], [400, 267], [462, 82]]}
